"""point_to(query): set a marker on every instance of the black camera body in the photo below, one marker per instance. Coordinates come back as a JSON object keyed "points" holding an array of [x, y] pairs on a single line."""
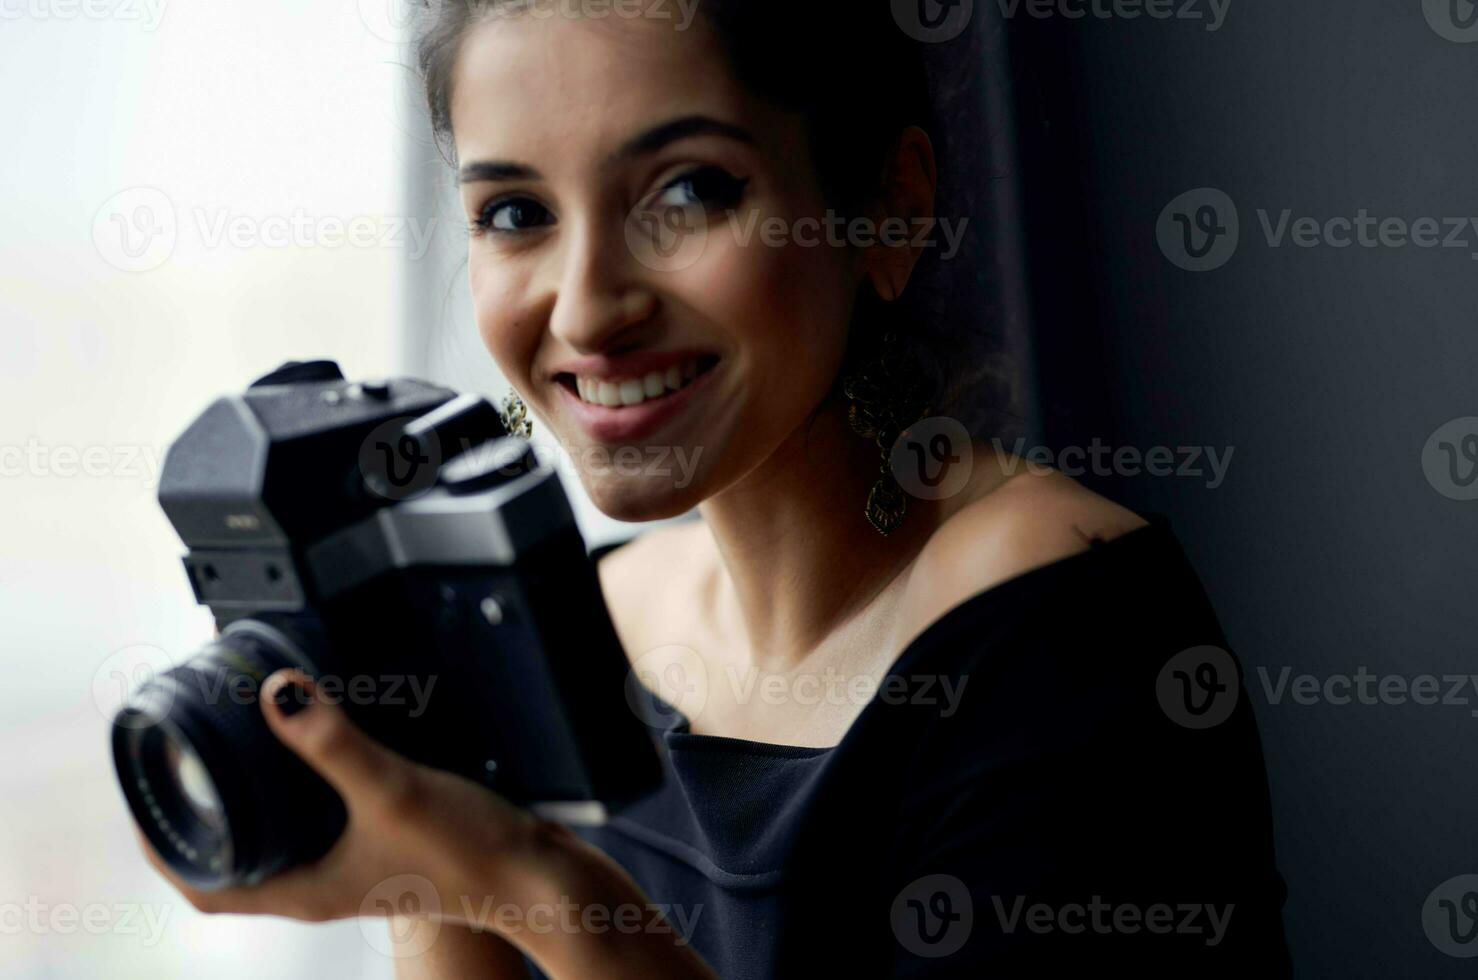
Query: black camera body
{"points": [[392, 541]]}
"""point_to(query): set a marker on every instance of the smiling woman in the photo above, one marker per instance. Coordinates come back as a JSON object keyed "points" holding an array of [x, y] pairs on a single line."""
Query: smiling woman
{"points": [[612, 172], [639, 144], [913, 721]]}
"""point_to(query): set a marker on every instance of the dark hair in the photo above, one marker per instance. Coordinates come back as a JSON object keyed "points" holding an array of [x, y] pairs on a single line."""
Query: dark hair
{"points": [[858, 80]]}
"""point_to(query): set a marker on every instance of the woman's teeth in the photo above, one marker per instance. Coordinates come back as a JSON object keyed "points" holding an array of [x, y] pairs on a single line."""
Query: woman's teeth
{"points": [[634, 391]]}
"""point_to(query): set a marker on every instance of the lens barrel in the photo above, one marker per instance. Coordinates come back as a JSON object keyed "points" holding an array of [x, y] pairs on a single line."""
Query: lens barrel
{"points": [[221, 800]]}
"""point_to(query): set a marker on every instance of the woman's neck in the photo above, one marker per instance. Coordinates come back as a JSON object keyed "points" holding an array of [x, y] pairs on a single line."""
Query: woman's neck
{"points": [[797, 556]]}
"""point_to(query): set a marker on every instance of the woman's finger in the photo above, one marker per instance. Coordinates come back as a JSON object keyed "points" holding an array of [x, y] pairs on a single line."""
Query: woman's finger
{"points": [[362, 770]]}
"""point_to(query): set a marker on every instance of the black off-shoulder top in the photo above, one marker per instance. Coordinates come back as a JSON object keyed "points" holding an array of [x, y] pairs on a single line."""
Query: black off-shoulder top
{"points": [[1061, 773]]}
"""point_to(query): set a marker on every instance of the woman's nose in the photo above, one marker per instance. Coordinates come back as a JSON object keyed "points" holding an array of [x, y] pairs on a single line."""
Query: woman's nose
{"points": [[601, 292]]}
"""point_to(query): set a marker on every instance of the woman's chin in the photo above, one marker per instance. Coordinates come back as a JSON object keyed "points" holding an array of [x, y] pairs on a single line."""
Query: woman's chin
{"points": [[638, 499]]}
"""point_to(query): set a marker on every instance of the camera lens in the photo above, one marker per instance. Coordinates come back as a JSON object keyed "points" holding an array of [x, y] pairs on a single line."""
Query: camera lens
{"points": [[195, 785], [221, 800], [195, 838]]}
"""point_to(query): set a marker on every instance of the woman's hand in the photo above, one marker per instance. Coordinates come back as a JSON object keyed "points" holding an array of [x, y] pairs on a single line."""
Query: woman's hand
{"points": [[403, 819], [421, 843]]}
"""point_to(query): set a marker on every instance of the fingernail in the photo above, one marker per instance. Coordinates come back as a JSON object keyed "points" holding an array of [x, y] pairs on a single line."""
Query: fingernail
{"points": [[290, 698]]}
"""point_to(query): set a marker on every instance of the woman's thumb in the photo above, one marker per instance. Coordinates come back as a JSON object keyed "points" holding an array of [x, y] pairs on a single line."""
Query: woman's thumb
{"points": [[323, 735]]}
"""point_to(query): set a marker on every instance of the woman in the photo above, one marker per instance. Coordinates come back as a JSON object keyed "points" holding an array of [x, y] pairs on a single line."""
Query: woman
{"points": [[906, 732]]}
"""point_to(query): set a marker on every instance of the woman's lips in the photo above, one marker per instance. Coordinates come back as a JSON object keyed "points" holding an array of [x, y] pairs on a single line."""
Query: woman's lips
{"points": [[627, 423]]}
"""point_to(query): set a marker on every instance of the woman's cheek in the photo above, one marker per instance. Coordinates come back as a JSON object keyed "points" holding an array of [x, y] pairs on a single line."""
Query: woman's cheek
{"points": [[773, 299], [495, 308], [744, 285], [484, 311]]}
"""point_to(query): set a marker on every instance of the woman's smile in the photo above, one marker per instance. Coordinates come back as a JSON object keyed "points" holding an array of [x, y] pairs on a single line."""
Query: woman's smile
{"points": [[615, 407]]}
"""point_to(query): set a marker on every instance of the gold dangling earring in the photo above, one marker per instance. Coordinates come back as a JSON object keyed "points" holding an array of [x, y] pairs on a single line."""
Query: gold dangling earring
{"points": [[516, 416], [884, 396]]}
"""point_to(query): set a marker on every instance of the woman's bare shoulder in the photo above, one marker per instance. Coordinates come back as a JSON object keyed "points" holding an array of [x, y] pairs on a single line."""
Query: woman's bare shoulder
{"points": [[1031, 518]]}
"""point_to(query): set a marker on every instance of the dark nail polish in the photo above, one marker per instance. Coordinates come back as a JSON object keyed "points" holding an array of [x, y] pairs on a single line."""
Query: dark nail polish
{"points": [[289, 699]]}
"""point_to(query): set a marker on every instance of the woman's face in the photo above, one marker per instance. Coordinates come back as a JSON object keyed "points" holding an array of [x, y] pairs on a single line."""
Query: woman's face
{"points": [[600, 161]]}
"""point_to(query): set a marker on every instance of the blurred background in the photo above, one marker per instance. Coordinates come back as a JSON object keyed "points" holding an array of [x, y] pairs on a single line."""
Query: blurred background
{"points": [[195, 193]]}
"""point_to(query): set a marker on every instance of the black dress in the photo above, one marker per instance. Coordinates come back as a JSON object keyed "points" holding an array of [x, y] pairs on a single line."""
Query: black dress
{"points": [[1061, 773]]}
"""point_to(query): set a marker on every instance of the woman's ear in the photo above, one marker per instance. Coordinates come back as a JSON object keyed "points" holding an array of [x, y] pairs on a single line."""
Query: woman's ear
{"points": [[903, 214]]}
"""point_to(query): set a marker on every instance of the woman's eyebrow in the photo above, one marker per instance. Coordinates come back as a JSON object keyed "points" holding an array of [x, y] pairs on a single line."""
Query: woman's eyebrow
{"points": [[643, 144]]}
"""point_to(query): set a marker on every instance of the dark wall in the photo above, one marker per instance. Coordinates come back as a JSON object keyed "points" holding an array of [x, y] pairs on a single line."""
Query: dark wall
{"points": [[1330, 545]]}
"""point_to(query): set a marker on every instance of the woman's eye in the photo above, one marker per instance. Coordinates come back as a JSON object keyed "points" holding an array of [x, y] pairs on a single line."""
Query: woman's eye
{"points": [[711, 187], [512, 215]]}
